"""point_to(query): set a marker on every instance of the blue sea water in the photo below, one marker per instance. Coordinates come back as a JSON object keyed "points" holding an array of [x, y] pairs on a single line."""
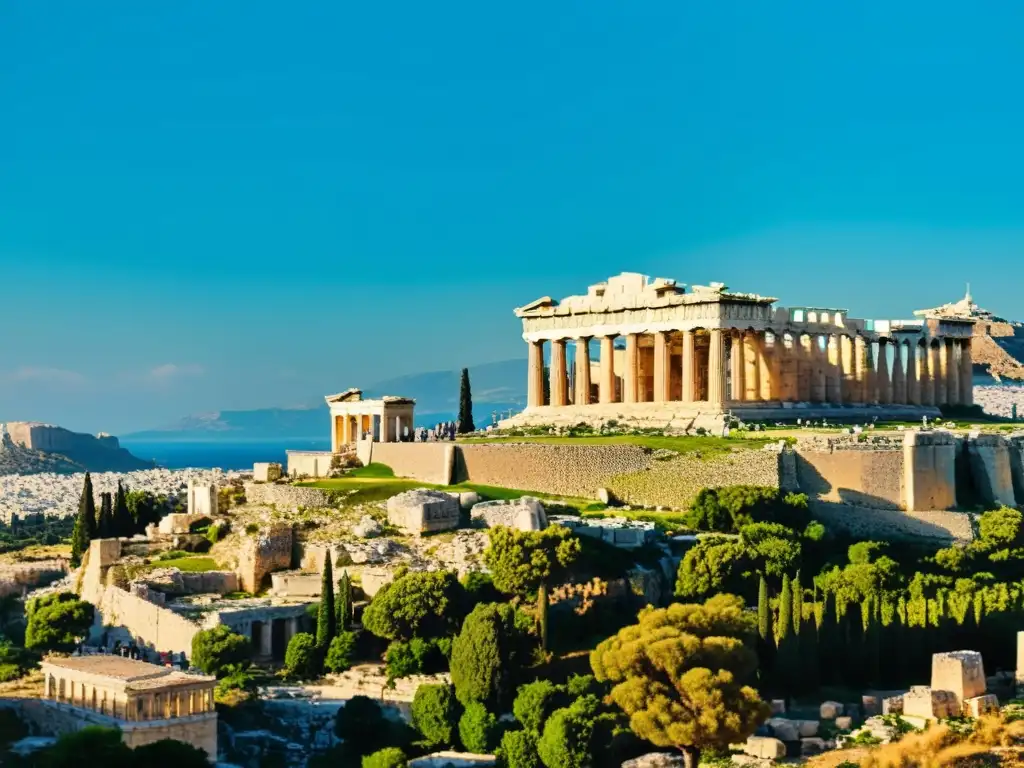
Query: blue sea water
{"points": [[208, 455]]}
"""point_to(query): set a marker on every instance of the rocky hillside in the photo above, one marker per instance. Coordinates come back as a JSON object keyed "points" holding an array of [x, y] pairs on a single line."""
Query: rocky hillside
{"points": [[28, 448], [1002, 355]]}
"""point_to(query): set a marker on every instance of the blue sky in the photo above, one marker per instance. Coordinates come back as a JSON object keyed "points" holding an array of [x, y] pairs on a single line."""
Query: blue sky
{"points": [[228, 205]]}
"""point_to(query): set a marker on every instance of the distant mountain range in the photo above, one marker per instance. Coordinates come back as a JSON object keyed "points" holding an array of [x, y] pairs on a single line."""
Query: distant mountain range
{"points": [[496, 387]]}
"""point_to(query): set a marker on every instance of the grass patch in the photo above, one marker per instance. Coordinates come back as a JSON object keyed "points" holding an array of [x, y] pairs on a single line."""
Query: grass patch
{"points": [[706, 445], [372, 470], [186, 564]]}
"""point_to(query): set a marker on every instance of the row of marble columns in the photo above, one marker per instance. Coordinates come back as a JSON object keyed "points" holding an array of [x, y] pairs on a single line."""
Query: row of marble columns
{"points": [[158, 705], [755, 366]]}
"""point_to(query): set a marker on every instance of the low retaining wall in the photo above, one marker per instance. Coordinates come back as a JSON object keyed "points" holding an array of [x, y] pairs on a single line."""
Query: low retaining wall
{"points": [[286, 495], [893, 524], [309, 463], [868, 474], [426, 462]]}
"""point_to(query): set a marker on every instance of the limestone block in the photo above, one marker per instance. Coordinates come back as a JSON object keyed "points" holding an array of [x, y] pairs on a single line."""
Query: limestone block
{"points": [[830, 710], [267, 550], [784, 730], [202, 499], [765, 747], [981, 705], [960, 672], [812, 746], [422, 511], [266, 472], [991, 471], [892, 705], [367, 528], [808, 728], [844, 723], [929, 460], [604, 495], [468, 499], [870, 706], [930, 704], [778, 706], [525, 514]]}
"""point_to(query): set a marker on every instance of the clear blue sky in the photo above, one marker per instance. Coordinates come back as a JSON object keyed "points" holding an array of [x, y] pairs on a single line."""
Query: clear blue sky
{"points": [[216, 205]]}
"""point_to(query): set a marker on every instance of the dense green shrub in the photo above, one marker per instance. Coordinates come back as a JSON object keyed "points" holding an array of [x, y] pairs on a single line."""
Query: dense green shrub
{"points": [[478, 729], [535, 702], [340, 653], [303, 658], [420, 604], [170, 752], [361, 725], [390, 757], [57, 622], [435, 714], [219, 651], [488, 654], [518, 750]]}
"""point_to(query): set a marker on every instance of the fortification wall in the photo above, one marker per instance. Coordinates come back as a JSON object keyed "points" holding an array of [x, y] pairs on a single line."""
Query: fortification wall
{"points": [[286, 495], [426, 462], [152, 626], [894, 524], [861, 474]]}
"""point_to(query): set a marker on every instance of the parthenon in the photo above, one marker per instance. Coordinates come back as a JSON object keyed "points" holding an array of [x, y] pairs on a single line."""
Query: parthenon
{"points": [[688, 355]]}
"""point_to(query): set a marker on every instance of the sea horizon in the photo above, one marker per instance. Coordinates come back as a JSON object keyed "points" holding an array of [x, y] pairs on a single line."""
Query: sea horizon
{"points": [[213, 454]]}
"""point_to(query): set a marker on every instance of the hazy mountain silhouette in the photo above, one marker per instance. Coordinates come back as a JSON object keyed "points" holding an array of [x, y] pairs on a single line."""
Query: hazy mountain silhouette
{"points": [[496, 387]]}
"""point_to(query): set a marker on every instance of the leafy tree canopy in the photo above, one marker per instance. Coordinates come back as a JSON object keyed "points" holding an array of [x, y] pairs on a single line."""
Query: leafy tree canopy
{"points": [[478, 729], [220, 651], [520, 561], [303, 656], [678, 675], [58, 622], [519, 750], [340, 653], [424, 604], [389, 757], [713, 565], [535, 702], [488, 653], [435, 714]]}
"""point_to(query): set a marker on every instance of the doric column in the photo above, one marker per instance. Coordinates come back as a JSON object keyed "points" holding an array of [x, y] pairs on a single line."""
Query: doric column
{"points": [[859, 392], [582, 371], [661, 366], [632, 372], [769, 364], [819, 359], [899, 377], [934, 374], [849, 374], [941, 373], [716, 368], [788, 376], [924, 379], [736, 364], [606, 387], [752, 374], [952, 372], [914, 394], [883, 382], [559, 384], [804, 367], [834, 378], [689, 391], [266, 641], [535, 374], [966, 373]]}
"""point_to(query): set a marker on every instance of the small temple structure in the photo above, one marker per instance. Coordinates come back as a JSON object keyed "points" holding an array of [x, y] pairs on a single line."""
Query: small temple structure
{"points": [[146, 702], [385, 420], [677, 356]]}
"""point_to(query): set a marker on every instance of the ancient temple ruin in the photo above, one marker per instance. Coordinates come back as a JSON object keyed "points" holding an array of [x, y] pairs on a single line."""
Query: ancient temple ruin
{"points": [[677, 355]]}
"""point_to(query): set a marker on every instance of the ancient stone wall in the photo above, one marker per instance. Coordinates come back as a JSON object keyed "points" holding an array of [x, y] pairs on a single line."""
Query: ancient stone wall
{"points": [[894, 524], [989, 461], [263, 552], [427, 462], [849, 472], [152, 626], [19, 578], [309, 463], [286, 495], [929, 477]]}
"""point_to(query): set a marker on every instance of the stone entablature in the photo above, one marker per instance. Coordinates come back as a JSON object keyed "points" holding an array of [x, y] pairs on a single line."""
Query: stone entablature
{"points": [[387, 419], [717, 350], [135, 692]]}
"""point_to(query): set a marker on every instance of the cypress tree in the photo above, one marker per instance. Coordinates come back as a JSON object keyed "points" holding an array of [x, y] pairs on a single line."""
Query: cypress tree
{"points": [[542, 609], [87, 508], [325, 617], [343, 603], [827, 639], [106, 517], [785, 611], [465, 405], [123, 523], [786, 672], [798, 605], [764, 616], [809, 656]]}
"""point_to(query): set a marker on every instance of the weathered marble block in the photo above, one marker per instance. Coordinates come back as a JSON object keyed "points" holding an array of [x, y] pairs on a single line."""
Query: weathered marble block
{"points": [[981, 705], [524, 514], [422, 511], [929, 703], [960, 672]]}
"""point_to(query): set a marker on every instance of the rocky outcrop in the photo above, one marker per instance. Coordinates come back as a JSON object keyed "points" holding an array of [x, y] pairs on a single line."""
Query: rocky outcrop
{"points": [[48, 448], [261, 553]]}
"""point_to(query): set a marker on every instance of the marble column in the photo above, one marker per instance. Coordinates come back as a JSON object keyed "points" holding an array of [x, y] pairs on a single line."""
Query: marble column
{"points": [[770, 367], [914, 393], [941, 372], [606, 389], [899, 376], [752, 374], [849, 374], [661, 366], [937, 383], [804, 367], [834, 379], [689, 391], [737, 364], [787, 355], [924, 377], [966, 373], [716, 367], [267, 640], [859, 391], [819, 357], [952, 372], [582, 372], [632, 366], [883, 382], [535, 375], [559, 384]]}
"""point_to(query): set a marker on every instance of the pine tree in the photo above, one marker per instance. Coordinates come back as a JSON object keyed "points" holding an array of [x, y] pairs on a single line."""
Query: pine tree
{"points": [[465, 405], [87, 508], [343, 603], [325, 618], [105, 523]]}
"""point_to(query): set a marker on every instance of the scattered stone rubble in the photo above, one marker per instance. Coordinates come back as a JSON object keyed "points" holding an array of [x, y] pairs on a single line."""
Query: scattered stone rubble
{"points": [[525, 514]]}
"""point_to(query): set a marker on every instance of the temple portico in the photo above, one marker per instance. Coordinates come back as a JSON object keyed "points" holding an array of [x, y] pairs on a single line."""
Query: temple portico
{"points": [[686, 358], [384, 420]]}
